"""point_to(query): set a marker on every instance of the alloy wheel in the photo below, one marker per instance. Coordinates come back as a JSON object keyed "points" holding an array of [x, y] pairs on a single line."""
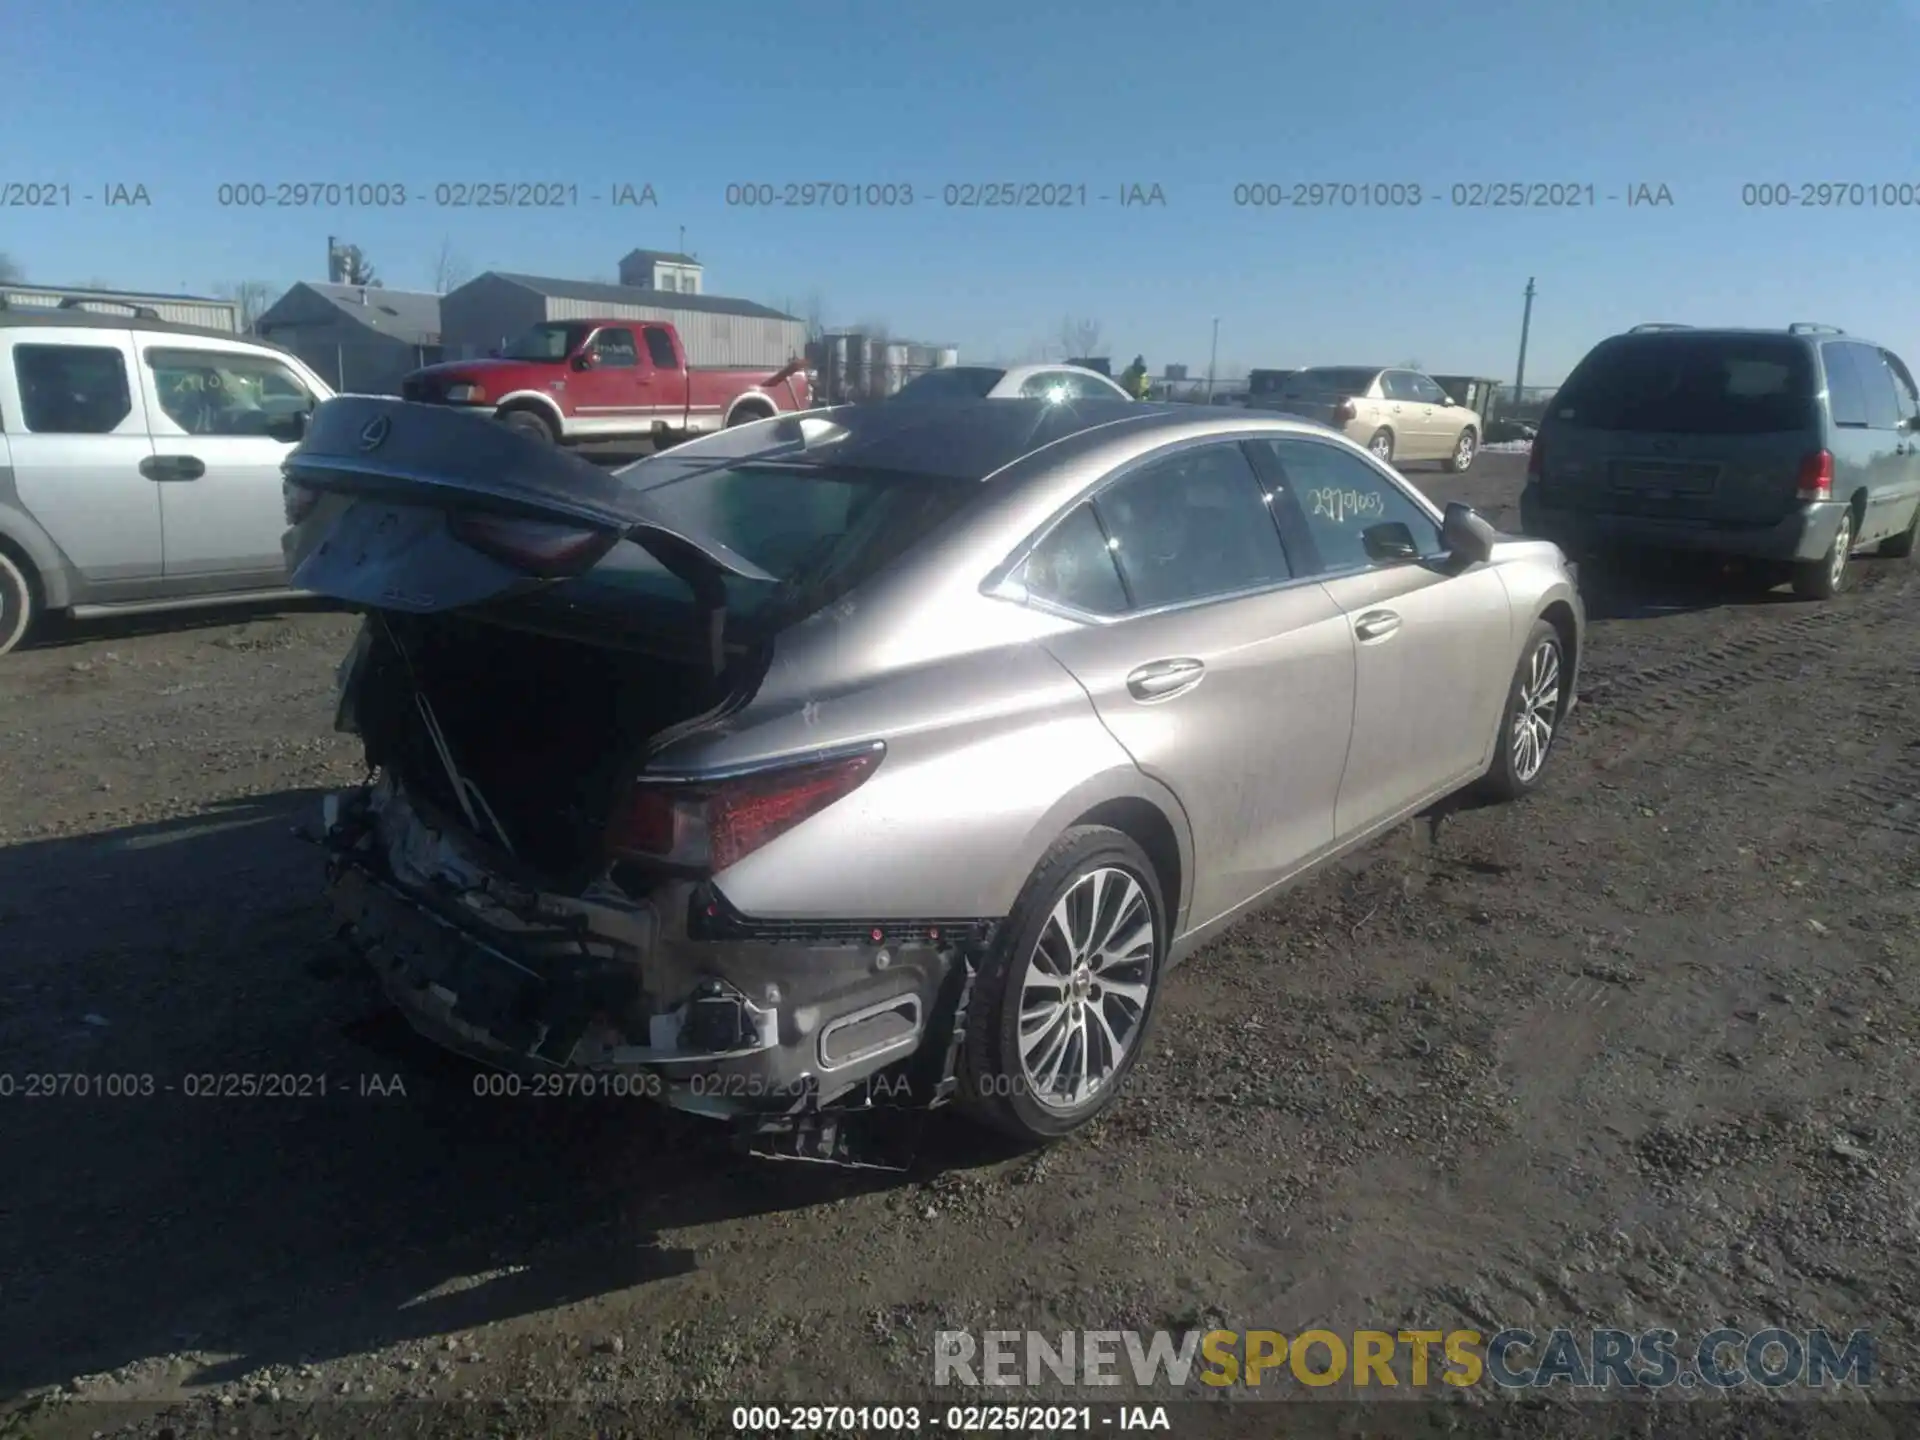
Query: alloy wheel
{"points": [[1842, 544], [1539, 708], [1084, 995], [1463, 452], [1383, 446]]}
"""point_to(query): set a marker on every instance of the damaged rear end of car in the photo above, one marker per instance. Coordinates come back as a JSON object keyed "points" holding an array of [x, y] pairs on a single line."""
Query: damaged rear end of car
{"points": [[531, 884]]}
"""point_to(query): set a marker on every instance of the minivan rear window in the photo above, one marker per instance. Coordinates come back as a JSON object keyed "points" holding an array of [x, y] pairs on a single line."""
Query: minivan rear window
{"points": [[1691, 385]]}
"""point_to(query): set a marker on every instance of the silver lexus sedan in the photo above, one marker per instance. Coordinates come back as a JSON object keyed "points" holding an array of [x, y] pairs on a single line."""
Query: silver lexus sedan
{"points": [[884, 756]]}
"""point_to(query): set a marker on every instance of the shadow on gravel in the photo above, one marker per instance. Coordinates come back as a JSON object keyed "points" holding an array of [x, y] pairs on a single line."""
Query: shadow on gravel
{"points": [[57, 632], [396, 1205], [1649, 585]]}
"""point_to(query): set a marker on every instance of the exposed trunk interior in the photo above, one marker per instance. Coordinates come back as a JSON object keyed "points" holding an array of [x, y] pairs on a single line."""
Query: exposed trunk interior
{"points": [[547, 730]]}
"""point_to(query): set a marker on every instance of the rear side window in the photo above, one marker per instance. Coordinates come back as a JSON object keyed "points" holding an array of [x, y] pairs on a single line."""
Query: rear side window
{"points": [[1846, 388], [1192, 526], [1691, 385], [72, 389], [1074, 567], [660, 349]]}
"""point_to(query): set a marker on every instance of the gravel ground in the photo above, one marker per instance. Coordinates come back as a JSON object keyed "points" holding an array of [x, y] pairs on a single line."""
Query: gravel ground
{"points": [[1639, 1051]]}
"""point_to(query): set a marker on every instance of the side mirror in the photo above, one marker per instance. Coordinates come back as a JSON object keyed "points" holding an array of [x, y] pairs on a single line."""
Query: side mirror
{"points": [[1389, 542], [291, 429], [1466, 534], [585, 360]]}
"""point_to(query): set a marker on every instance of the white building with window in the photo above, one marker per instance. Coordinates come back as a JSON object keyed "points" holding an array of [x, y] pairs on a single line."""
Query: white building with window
{"points": [[667, 270]]}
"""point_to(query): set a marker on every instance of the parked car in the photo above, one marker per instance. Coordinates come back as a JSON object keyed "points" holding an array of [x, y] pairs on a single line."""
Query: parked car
{"points": [[1022, 382], [1399, 415], [570, 380], [140, 464], [887, 750], [1799, 445]]}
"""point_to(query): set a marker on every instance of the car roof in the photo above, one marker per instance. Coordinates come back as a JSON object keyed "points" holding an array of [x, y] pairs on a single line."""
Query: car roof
{"points": [[1742, 332], [967, 440], [47, 317]]}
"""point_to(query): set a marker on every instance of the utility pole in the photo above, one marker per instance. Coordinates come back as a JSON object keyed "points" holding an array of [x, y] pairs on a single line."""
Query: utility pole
{"points": [[1213, 356], [1526, 323]]}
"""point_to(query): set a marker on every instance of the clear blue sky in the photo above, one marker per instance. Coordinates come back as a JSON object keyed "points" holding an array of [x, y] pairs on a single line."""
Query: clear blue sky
{"points": [[1701, 97]]}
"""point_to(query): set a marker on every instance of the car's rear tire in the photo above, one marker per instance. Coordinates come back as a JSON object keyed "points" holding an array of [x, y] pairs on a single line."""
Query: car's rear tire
{"points": [[529, 423], [1464, 449], [18, 606], [1530, 720], [1900, 546], [1824, 578], [1381, 444], [1074, 972]]}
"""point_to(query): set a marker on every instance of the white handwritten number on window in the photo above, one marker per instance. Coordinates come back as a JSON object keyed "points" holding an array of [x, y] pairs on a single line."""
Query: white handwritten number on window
{"points": [[1341, 506]]}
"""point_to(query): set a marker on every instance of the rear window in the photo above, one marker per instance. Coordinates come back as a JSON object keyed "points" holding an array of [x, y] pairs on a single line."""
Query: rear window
{"points": [[1691, 385], [1266, 382], [1329, 382], [955, 382], [819, 530]]}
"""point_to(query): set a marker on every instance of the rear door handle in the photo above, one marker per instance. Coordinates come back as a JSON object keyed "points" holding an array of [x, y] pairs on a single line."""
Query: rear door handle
{"points": [[173, 467], [1376, 625], [1163, 678]]}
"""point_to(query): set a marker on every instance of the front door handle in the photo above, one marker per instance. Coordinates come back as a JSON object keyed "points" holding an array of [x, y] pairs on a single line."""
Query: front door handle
{"points": [[1376, 625], [173, 467], [1163, 678]]}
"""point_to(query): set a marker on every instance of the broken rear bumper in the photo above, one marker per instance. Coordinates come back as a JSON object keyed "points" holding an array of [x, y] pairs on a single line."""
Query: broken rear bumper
{"points": [[695, 1006]]}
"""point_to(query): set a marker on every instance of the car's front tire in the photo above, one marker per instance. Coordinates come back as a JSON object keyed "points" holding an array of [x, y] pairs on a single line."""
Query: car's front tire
{"points": [[525, 422], [1530, 720], [1062, 1003], [1460, 459], [1822, 579], [17, 606]]}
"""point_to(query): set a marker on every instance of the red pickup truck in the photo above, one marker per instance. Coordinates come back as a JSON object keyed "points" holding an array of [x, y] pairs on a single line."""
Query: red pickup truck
{"points": [[571, 380]]}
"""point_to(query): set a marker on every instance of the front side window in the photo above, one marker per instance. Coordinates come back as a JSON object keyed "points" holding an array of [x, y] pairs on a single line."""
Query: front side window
{"points": [[614, 349], [1191, 526], [1427, 391], [1074, 566], [72, 389], [213, 392], [1341, 497]]}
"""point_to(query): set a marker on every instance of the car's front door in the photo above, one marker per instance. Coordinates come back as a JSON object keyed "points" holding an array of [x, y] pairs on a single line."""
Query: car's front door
{"points": [[219, 417], [1888, 474], [1222, 674], [1432, 642], [77, 433], [614, 393]]}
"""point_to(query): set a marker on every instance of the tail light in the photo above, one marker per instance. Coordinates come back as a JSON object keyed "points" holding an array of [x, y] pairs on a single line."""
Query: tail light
{"points": [[1345, 412], [534, 546], [1816, 476], [298, 500], [710, 827]]}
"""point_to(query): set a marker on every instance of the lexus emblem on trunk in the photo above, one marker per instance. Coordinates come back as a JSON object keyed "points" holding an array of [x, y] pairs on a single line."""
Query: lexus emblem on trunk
{"points": [[374, 433]]}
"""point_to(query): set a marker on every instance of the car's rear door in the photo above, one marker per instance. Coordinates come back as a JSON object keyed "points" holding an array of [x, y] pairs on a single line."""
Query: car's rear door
{"points": [[1433, 645], [1223, 673], [77, 431], [1904, 495]]}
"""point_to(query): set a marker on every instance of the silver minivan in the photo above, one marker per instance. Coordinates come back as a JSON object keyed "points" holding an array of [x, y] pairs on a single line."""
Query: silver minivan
{"points": [[1798, 446], [140, 464]]}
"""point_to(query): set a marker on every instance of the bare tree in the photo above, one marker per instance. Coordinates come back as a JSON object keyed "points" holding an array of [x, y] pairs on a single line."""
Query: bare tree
{"points": [[10, 273], [1081, 338], [251, 297], [450, 271], [350, 266]]}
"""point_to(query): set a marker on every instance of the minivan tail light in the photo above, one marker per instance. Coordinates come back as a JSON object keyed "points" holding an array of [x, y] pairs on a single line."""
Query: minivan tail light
{"points": [[710, 827], [1816, 476], [536, 547]]}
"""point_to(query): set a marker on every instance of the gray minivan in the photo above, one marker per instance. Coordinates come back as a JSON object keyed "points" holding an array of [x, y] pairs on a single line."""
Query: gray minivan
{"points": [[1799, 445]]}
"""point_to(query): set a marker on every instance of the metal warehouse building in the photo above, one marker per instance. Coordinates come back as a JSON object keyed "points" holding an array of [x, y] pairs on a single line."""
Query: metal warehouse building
{"points": [[360, 339], [493, 309], [201, 310]]}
